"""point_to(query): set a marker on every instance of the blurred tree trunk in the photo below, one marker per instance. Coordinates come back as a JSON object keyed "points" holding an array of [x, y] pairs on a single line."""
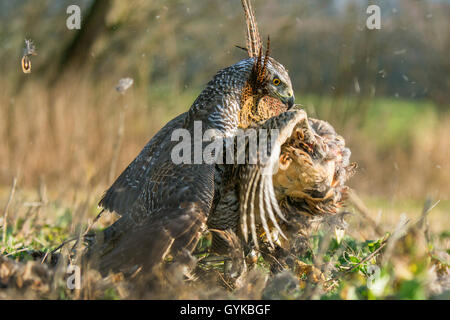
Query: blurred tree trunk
{"points": [[76, 54]]}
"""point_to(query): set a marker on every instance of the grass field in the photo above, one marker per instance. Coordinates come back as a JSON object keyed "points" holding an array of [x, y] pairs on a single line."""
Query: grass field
{"points": [[413, 261]]}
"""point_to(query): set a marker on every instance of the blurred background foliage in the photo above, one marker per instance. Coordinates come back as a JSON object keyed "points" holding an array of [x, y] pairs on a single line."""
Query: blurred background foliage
{"points": [[386, 91]]}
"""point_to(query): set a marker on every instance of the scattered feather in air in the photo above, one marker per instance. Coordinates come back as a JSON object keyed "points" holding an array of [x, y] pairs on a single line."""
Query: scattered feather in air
{"points": [[402, 51], [357, 87], [124, 84], [28, 51]]}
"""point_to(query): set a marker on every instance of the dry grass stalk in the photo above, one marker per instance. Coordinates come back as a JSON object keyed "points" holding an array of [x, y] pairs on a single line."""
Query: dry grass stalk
{"points": [[5, 214], [362, 209]]}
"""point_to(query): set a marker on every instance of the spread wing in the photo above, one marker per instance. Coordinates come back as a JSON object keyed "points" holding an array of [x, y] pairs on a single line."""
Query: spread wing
{"points": [[168, 217], [163, 207], [257, 192], [127, 187]]}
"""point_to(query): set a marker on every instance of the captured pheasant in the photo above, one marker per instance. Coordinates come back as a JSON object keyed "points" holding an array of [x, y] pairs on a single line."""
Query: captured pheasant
{"points": [[301, 181], [315, 181]]}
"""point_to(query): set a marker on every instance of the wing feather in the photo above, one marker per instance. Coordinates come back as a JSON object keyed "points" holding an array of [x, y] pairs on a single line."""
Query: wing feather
{"points": [[259, 177], [128, 186]]}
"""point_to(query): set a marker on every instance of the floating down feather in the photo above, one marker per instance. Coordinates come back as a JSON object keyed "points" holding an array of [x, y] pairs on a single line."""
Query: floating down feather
{"points": [[28, 51]]}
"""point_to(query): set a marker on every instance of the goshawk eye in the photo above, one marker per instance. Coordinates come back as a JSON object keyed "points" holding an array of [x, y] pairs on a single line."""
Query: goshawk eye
{"points": [[276, 81]]}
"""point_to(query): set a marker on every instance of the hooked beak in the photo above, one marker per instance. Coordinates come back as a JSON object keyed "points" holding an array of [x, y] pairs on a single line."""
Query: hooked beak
{"points": [[289, 101]]}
